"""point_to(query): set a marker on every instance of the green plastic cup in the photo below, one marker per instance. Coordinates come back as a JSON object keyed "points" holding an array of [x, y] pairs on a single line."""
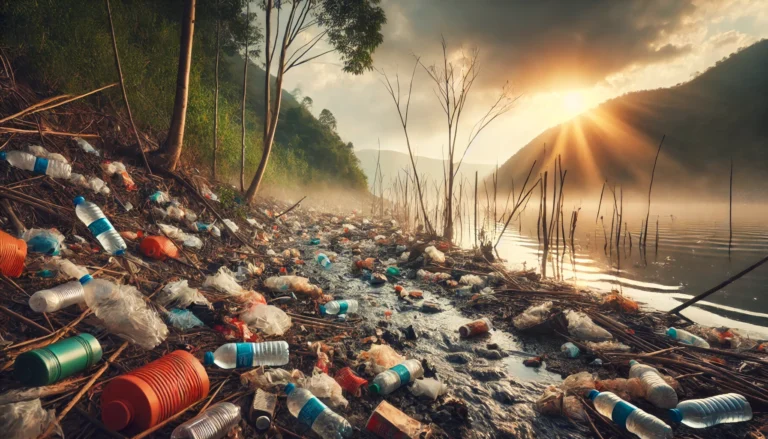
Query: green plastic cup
{"points": [[60, 360]]}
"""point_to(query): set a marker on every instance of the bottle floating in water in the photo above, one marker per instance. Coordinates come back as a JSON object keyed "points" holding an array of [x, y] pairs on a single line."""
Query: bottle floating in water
{"points": [[657, 391], [687, 338], [324, 261], [339, 307], [396, 377], [630, 417], [234, 355], [312, 412], [60, 296], [214, 423], [38, 165], [92, 216], [720, 409]]}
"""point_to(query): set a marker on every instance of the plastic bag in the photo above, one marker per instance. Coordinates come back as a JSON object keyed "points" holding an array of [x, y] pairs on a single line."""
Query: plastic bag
{"points": [[160, 197], [27, 420], [578, 382], [269, 379], [471, 279], [180, 294], [582, 327], [271, 320], [206, 192], [112, 168], [87, 147], [552, 403], [323, 386], [176, 233], [175, 212], [94, 183], [617, 301], [533, 316], [432, 277], [183, 319], [380, 358], [429, 388], [123, 311], [296, 284], [231, 225], [225, 282], [627, 389], [607, 346], [39, 151], [436, 255], [46, 241]]}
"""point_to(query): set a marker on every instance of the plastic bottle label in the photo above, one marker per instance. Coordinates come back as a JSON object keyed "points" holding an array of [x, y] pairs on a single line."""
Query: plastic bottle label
{"points": [[100, 226], [621, 412], [41, 165], [403, 372], [244, 356], [311, 411], [343, 307]]}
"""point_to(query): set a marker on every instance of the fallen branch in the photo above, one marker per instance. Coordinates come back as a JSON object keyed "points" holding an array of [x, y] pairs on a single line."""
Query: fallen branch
{"points": [[4, 130], [292, 207]]}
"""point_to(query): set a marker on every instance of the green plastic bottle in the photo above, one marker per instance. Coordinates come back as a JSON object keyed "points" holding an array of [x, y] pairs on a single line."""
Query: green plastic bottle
{"points": [[393, 271], [60, 360]]}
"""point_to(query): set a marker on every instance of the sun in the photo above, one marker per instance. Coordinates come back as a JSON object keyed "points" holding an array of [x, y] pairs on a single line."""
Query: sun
{"points": [[574, 102]]}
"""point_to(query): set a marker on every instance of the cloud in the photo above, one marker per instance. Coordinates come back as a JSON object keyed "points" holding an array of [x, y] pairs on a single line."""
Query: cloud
{"points": [[729, 38]]}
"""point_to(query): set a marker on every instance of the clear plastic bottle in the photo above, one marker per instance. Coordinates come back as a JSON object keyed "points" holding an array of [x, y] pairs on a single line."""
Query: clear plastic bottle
{"points": [[687, 338], [312, 412], [324, 261], [720, 409], [400, 375], [92, 216], [38, 165], [335, 307], [214, 423], [626, 415], [657, 391], [233, 355], [60, 296]]}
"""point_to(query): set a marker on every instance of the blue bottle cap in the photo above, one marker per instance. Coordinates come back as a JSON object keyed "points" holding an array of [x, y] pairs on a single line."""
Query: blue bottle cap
{"points": [[85, 279], [79, 200], [676, 415], [593, 394], [120, 252], [289, 388], [3, 155], [208, 359], [672, 332], [322, 310], [632, 362]]}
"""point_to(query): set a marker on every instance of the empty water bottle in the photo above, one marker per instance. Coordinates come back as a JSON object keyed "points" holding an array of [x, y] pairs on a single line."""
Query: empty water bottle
{"points": [[335, 307], [213, 423], [720, 409], [630, 417], [38, 165], [657, 391], [312, 412], [233, 355], [400, 375], [60, 296], [92, 216], [687, 338], [324, 261]]}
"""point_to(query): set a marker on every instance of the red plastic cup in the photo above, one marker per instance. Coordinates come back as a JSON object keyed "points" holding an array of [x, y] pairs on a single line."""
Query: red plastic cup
{"points": [[350, 382], [13, 252], [152, 393]]}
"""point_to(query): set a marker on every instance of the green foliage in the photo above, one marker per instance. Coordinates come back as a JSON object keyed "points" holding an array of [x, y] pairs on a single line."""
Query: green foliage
{"points": [[327, 119], [354, 30], [65, 45]]}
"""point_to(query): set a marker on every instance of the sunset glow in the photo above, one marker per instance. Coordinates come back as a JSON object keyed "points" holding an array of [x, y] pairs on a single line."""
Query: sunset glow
{"points": [[574, 102]]}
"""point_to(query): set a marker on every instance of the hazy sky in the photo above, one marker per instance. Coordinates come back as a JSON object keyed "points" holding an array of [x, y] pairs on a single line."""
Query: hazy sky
{"points": [[561, 57]]}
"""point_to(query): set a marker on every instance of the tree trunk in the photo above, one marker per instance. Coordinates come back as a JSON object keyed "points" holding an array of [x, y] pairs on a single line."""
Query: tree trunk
{"points": [[245, 91], [216, 97], [176, 132], [448, 229]]}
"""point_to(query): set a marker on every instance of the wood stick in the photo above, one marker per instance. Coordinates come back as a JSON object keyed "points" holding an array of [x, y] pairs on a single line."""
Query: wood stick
{"points": [[48, 104], [17, 316], [650, 187], [292, 207], [17, 224], [47, 132]]}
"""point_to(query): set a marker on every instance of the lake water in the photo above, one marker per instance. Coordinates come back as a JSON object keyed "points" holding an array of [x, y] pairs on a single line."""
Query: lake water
{"points": [[693, 256]]}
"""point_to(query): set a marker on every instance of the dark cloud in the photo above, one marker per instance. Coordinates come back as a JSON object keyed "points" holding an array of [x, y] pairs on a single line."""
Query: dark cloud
{"points": [[540, 44]]}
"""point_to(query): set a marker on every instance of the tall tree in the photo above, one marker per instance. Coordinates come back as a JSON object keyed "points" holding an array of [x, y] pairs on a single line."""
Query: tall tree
{"points": [[351, 28], [175, 139], [245, 91], [327, 119], [216, 92]]}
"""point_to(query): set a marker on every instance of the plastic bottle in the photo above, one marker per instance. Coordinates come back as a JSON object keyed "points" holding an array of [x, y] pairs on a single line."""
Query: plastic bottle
{"points": [[312, 412], [687, 338], [323, 260], [400, 375], [92, 216], [40, 367], [60, 296], [38, 165], [435, 255], [429, 388], [214, 423], [263, 410], [630, 417], [335, 307], [233, 355], [657, 391], [720, 409]]}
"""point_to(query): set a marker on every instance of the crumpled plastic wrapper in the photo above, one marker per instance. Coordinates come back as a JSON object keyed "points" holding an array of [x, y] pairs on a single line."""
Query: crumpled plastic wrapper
{"points": [[324, 386], [181, 295], [583, 328], [552, 403], [269, 319], [269, 379], [27, 420], [533, 316], [380, 358]]}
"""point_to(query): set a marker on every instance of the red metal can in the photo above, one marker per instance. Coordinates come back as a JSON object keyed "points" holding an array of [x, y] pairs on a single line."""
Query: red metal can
{"points": [[475, 328], [350, 382]]}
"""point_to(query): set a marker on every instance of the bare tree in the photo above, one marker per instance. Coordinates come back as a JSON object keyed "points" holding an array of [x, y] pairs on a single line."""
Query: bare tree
{"points": [[216, 93], [245, 92], [453, 83]]}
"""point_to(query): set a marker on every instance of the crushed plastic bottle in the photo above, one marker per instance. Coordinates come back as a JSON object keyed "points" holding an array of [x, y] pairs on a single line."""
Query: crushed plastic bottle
{"points": [[338, 307], [429, 388], [312, 412], [27, 420], [324, 261], [295, 284], [708, 412], [214, 423], [180, 294], [60, 296], [236, 355], [92, 216], [93, 183], [583, 328], [270, 319], [39, 151], [38, 165], [87, 147], [323, 386], [472, 280], [687, 338], [435, 255], [532, 316], [390, 380], [657, 391], [231, 225], [626, 415]]}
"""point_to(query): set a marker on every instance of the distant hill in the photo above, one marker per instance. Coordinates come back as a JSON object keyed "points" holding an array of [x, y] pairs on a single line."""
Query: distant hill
{"points": [[393, 162], [234, 74], [720, 114]]}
